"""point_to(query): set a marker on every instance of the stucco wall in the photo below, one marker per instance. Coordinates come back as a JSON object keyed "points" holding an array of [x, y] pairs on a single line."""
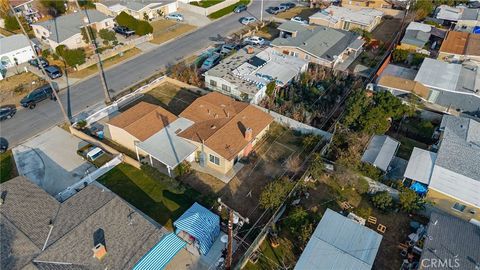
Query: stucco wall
{"points": [[120, 136], [302, 55], [22, 55], [445, 203]]}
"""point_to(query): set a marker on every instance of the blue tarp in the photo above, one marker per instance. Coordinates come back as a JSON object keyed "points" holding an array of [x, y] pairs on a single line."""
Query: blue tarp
{"points": [[161, 254], [419, 188], [476, 30], [200, 223]]}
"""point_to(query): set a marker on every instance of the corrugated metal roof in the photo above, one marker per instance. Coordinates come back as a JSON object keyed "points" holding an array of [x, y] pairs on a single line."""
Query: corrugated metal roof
{"points": [[420, 165], [438, 74], [161, 254], [200, 223], [380, 151], [340, 243]]}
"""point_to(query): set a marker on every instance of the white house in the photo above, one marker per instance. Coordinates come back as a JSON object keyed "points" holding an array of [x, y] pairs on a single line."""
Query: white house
{"points": [[15, 49], [137, 9], [66, 30]]}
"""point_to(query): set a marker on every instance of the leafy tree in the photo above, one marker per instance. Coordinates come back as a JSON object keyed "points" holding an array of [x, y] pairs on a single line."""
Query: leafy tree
{"points": [[143, 27], [54, 7], [140, 27], [382, 200], [370, 171], [93, 34], [356, 104], [410, 201], [11, 24], [107, 36], [362, 185], [317, 166], [364, 211], [275, 192], [417, 59], [296, 219], [86, 3], [72, 57], [310, 141], [271, 88], [365, 34], [400, 56], [423, 8]]}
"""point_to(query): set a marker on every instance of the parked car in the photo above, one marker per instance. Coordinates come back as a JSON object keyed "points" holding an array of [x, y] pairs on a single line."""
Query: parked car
{"points": [[7, 112], [94, 154], [3, 145], [53, 72], [288, 5], [240, 8], [37, 95], [299, 20], [227, 48], [248, 20], [210, 62], [175, 16], [254, 40], [123, 30], [34, 62]]}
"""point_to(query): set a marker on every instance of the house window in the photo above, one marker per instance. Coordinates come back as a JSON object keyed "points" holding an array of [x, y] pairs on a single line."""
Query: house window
{"points": [[307, 56], [459, 207], [294, 54], [213, 83], [226, 88], [214, 159]]}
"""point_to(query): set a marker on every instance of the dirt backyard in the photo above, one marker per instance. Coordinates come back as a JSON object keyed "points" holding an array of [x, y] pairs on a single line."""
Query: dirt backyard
{"points": [[14, 88]]}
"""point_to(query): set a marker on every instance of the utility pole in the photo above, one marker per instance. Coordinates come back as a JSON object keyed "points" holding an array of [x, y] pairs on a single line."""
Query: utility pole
{"points": [[54, 91], [91, 40], [228, 264], [261, 11]]}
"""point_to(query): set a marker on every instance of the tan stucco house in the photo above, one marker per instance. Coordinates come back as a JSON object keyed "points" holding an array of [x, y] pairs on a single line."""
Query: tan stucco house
{"points": [[66, 29], [347, 18], [137, 9]]}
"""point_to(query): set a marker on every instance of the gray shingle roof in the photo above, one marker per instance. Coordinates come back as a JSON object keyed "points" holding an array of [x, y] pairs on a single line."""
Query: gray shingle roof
{"points": [[63, 27], [12, 43], [415, 37], [450, 238], [323, 42], [291, 27], [26, 214]]}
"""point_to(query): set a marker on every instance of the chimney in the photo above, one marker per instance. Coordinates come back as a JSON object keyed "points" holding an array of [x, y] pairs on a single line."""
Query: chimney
{"points": [[99, 251], [248, 134], [250, 50]]}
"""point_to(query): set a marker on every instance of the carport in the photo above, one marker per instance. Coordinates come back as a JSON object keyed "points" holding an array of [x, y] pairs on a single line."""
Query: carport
{"points": [[166, 147]]}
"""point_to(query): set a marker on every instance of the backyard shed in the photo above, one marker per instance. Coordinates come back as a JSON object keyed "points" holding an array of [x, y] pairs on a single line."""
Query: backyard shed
{"points": [[201, 224], [380, 151]]}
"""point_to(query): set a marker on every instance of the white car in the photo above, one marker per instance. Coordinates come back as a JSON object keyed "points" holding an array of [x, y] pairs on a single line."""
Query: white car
{"points": [[254, 40], [175, 16], [299, 20], [248, 20]]}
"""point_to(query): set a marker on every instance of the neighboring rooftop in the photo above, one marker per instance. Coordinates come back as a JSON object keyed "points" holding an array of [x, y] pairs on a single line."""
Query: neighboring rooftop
{"points": [[340, 243], [402, 84], [461, 43], [420, 165], [417, 34], [90, 217], [448, 13], [135, 5], [321, 42], [13, 43], [334, 14], [453, 240], [143, 120], [63, 27], [221, 123], [380, 151], [470, 14]]}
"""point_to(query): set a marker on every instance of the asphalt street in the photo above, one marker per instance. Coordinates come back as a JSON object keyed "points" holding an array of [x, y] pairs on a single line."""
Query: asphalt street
{"points": [[87, 94]]}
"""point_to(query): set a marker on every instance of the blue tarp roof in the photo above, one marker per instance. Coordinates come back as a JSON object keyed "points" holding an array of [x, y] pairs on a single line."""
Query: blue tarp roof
{"points": [[419, 188], [476, 30], [161, 254], [200, 223]]}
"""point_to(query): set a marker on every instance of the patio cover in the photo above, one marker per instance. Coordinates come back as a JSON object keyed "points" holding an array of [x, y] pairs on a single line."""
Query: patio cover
{"points": [[166, 146], [200, 223], [380, 151], [420, 165], [161, 254]]}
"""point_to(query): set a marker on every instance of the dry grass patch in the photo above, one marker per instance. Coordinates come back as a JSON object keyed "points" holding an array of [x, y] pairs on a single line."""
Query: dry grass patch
{"points": [[106, 63], [17, 86], [164, 30], [303, 12]]}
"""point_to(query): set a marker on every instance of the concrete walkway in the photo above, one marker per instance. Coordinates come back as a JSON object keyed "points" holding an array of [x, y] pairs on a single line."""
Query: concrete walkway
{"points": [[222, 177]]}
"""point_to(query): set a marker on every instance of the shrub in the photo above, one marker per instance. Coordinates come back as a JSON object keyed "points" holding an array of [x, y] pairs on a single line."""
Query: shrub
{"points": [[143, 27], [140, 27], [410, 201], [400, 56], [362, 186], [72, 57], [107, 36], [54, 7], [183, 169], [370, 171], [363, 211], [93, 34], [382, 200], [11, 24], [275, 192], [46, 53]]}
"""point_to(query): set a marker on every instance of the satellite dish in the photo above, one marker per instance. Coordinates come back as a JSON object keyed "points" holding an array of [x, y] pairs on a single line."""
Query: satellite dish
{"points": [[235, 219], [224, 238]]}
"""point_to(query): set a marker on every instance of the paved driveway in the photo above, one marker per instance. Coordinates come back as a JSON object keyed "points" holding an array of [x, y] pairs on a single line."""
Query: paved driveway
{"points": [[50, 160], [194, 18]]}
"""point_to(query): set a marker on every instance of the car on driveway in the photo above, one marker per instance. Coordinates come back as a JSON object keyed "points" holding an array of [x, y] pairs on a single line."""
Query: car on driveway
{"points": [[210, 62], [37, 95], [7, 112], [288, 5], [248, 20], [53, 72], [228, 48], [175, 16], [299, 20], [240, 8], [124, 31], [3, 145], [254, 40], [34, 62]]}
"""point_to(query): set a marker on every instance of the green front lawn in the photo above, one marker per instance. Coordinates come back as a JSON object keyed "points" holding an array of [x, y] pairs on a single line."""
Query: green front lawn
{"points": [[152, 196], [7, 164], [206, 3], [224, 11]]}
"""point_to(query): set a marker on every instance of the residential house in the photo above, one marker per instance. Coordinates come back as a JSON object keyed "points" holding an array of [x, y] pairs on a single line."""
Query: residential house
{"points": [[224, 130], [366, 3], [66, 29], [321, 45], [469, 21], [151, 131], [347, 19], [451, 241], [399, 86], [452, 173], [419, 35], [460, 46], [93, 229], [448, 14], [245, 74], [137, 8], [25, 8], [340, 243], [380, 152], [14, 50], [452, 85]]}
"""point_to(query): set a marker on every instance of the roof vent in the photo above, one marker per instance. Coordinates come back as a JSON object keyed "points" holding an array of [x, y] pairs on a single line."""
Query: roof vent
{"points": [[213, 127], [99, 251], [435, 222]]}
